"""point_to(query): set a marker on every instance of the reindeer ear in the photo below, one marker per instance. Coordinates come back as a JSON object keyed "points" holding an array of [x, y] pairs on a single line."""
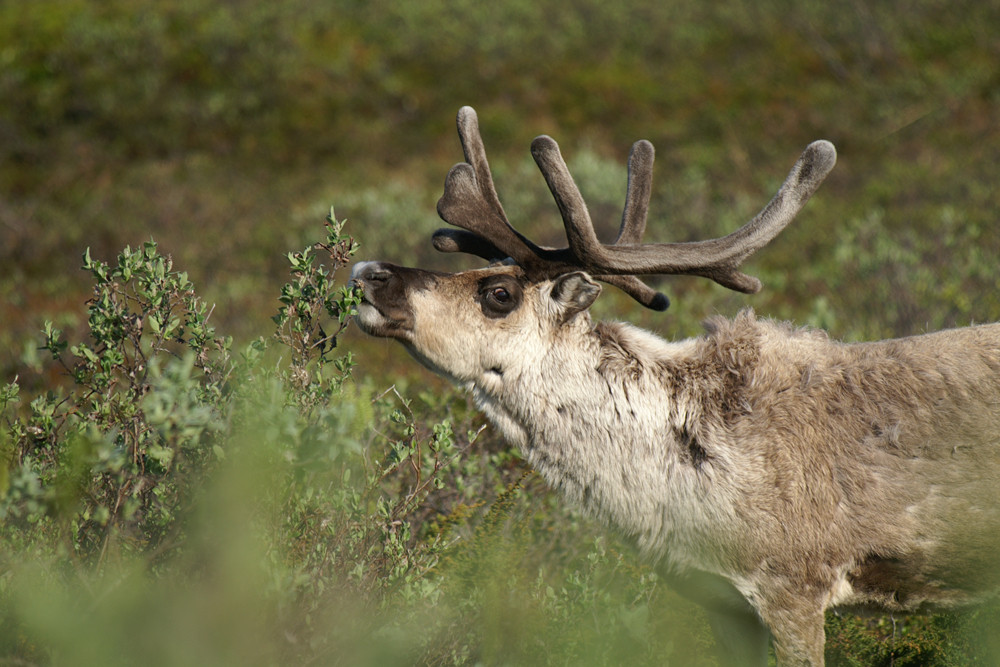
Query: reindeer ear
{"points": [[573, 293]]}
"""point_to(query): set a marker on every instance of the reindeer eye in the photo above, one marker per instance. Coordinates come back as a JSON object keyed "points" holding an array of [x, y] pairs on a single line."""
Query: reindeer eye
{"points": [[500, 295], [499, 300]]}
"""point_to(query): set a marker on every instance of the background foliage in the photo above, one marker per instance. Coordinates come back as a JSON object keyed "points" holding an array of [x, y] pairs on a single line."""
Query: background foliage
{"points": [[176, 495]]}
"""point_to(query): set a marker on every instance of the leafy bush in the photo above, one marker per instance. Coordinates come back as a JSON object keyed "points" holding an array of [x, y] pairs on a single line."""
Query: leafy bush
{"points": [[113, 461]]}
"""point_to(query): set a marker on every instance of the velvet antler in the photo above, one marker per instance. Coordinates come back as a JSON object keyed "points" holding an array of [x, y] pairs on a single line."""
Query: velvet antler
{"points": [[471, 203]]}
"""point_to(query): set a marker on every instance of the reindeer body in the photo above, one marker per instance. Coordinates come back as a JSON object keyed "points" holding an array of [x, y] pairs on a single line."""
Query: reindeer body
{"points": [[842, 444], [775, 472]]}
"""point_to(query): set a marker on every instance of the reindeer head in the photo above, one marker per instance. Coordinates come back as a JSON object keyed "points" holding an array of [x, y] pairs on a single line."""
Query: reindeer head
{"points": [[470, 323]]}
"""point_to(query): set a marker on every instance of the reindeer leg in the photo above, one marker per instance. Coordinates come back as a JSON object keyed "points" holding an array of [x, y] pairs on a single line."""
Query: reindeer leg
{"points": [[796, 624]]}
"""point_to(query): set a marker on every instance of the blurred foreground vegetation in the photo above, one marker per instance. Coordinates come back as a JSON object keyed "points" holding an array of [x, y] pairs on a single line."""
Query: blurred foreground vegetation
{"points": [[176, 496]]}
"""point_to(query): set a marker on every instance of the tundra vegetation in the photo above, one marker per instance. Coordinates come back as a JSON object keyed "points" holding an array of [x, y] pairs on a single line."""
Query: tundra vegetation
{"points": [[171, 496]]}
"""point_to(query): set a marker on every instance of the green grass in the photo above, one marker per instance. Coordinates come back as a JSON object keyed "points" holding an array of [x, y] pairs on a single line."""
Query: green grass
{"points": [[226, 131]]}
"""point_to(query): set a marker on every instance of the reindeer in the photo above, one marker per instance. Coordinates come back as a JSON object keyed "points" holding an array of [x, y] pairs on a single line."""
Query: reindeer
{"points": [[773, 472]]}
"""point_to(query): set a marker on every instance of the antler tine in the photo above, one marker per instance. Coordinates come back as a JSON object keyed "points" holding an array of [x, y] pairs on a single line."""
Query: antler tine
{"points": [[638, 290], [460, 240], [470, 201], [728, 252], [640, 185], [576, 219], [475, 156]]}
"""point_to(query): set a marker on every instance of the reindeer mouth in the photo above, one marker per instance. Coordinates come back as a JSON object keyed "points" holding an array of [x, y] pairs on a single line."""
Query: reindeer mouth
{"points": [[375, 322]]}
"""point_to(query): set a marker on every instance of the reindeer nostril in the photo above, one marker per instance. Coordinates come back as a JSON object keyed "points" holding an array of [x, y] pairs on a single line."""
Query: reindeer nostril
{"points": [[371, 273]]}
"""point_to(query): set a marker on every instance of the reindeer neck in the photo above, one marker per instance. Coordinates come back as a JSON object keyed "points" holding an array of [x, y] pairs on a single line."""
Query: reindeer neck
{"points": [[609, 418]]}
